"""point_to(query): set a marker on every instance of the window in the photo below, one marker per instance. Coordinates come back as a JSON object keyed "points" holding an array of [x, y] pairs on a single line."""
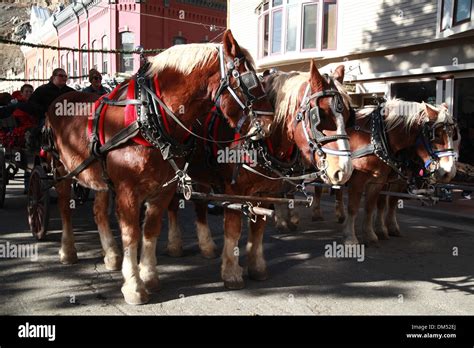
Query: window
{"points": [[69, 62], [126, 43], [462, 11], [105, 56], [85, 71], [291, 28], [329, 26], [95, 56], [75, 65], [49, 71], [179, 40], [296, 25], [455, 13], [63, 62], [309, 26], [276, 34], [54, 65]]}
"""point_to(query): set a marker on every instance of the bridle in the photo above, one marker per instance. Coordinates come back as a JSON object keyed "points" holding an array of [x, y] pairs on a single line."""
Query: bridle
{"points": [[248, 83], [428, 136], [317, 139]]}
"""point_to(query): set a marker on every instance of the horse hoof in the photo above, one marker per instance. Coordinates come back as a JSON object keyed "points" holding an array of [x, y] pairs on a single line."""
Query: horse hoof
{"points": [[317, 218], [234, 284], [209, 254], [292, 227], [372, 243], [394, 233], [133, 297], [113, 263], [383, 236], [152, 285], [351, 241], [258, 275], [68, 258], [175, 252], [282, 227]]}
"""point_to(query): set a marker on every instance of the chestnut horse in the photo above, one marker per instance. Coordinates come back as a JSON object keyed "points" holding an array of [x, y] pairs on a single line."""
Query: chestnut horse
{"points": [[295, 96], [192, 79], [371, 174]]}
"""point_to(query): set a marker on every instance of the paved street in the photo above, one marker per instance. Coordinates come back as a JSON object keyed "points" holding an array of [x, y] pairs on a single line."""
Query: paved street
{"points": [[415, 274]]}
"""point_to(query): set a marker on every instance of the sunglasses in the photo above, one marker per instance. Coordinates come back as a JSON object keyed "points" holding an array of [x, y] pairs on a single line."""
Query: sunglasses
{"points": [[62, 75], [97, 78]]}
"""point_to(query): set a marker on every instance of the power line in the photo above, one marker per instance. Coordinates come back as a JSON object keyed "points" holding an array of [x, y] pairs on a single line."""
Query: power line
{"points": [[29, 44]]}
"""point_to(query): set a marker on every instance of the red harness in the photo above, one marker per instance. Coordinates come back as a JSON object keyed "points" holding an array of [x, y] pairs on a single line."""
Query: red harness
{"points": [[130, 113]]}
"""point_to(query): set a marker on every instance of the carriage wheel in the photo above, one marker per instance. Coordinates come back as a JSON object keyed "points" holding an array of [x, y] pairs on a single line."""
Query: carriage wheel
{"points": [[80, 192], [3, 178], [38, 203]]}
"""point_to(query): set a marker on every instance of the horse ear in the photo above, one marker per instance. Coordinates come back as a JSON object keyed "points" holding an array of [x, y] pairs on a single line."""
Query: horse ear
{"points": [[339, 73], [231, 47], [316, 80], [431, 112]]}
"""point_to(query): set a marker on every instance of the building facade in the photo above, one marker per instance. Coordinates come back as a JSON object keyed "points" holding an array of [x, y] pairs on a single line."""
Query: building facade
{"points": [[39, 62], [417, 50], [126, 24]]}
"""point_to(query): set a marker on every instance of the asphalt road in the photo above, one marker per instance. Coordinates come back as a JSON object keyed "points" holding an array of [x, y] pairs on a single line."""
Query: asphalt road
{"points": [[414, 274]]}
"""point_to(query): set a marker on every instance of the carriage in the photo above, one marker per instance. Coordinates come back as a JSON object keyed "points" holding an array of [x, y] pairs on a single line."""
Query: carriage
{"points": [[16, 155]]}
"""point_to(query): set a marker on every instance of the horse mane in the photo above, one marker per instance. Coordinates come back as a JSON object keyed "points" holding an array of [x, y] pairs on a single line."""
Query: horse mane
{"points": [[408, 114], [283, 91], [185, 58]]}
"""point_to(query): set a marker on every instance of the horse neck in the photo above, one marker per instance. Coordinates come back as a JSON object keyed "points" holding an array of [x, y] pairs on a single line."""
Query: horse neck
{"points": [[400, 138], [195, 101], [281, 138]]}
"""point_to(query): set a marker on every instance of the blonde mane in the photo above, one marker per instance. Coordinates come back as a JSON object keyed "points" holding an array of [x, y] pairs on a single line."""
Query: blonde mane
{"points": [[283, 91], [407, 114], [185, 58]]}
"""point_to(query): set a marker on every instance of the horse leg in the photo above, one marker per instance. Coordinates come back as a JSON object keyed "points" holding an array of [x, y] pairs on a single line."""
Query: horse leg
{"points": [[355, 195], [371, 195], [340, 215], [257, 268], [151, 232], [317, 215], [380, 226], [206, 243], [67, 253], [391, 218], [175, 238], [282, 217], [231, 272], [112, 257], [128, 213]]}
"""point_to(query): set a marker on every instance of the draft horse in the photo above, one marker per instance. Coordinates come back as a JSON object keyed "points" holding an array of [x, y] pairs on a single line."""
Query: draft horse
{"points": [[145, 160], [377, 140], [311, 112]]}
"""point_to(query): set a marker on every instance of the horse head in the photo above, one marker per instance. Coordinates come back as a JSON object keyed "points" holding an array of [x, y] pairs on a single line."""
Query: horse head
{"points": [[438, 143], [322, 115]]}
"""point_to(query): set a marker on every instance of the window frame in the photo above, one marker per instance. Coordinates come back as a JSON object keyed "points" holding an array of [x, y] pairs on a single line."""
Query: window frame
{"points": [[452, 27], [285, 7], [455, 7]]}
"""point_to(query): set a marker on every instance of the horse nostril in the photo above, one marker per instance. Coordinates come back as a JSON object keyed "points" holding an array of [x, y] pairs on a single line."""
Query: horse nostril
{"points": [[339, 175]]}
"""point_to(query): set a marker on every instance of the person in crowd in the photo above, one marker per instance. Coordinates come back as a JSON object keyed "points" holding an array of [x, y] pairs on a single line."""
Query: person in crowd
{"points": [[95, 78], [44, 95]]}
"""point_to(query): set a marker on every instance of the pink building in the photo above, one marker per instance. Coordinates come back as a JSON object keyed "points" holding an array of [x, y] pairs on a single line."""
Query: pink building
{"points": [[125, 24]]}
